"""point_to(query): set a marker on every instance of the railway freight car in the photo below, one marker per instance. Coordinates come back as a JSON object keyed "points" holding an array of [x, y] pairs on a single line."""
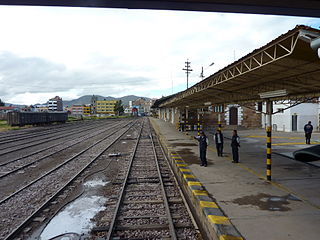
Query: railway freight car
{"points": [[35, 118]]}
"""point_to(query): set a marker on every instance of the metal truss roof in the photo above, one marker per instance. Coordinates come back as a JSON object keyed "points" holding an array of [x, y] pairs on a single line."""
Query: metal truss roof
{"points": [[287, 62], [310, 8]]}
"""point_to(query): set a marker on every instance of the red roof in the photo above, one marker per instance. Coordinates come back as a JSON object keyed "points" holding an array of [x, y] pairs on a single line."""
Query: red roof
{"points": [[7, 108]]}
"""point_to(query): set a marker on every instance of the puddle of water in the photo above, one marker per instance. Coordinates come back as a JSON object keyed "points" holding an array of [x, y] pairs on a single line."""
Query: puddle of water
{"points": [[95, 183], [76, 216], [182, 144], [267, 202], [188, 156], [250, 140], [276, 199]]}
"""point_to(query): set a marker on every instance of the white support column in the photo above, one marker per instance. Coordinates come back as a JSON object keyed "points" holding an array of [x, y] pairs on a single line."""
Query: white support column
{"points": [[187, 120], [198, 121]]}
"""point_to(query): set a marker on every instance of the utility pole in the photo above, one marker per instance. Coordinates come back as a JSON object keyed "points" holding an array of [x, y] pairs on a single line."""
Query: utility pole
{"points": [[188, 70]]}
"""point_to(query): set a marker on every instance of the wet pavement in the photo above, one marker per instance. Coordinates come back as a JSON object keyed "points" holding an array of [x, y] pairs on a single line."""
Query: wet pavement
{"points": [[74, 220], [287, 208]]}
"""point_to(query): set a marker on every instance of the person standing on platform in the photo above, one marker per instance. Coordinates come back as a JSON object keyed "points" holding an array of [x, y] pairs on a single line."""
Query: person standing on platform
{"points": [[308, 128], [235, 144], [218, 137], [203, 143]]}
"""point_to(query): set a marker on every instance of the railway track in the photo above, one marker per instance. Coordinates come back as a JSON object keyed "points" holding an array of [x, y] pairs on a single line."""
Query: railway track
{"points": [[7, 137], [150, 204], [147, 202], [23, 162], [22, 174], [30, 200], [44, 138]]}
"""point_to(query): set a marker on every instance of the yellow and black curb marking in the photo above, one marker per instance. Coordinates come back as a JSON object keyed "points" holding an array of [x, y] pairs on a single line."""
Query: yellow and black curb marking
{"points": [[213, 213]]}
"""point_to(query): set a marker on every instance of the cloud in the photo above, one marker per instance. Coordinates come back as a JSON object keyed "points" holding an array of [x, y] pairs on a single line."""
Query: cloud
{"points": [[23, 76], [75, 51]]}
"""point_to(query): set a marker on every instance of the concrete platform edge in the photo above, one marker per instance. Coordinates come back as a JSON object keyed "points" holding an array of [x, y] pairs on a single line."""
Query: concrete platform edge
{"points": [[211, 216]]}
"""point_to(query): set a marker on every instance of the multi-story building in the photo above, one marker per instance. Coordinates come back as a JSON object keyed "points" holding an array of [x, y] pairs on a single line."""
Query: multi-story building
{"points": [[87, 109], [144, 104], [94, 100], [77, 109], [40, 107], [106, 107], [55, 104]]}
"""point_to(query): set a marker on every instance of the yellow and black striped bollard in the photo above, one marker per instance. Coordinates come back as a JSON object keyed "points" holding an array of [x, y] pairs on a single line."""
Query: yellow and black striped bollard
{"points": [[198, 124], [269, 151]]}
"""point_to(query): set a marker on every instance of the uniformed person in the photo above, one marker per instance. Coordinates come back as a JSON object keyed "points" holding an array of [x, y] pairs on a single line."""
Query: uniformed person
{"points": [[203, 143], [218, 137], [235, 144], [308, 128]]}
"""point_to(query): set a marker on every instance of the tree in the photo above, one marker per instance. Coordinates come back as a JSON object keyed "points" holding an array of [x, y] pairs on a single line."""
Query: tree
{"points": [[1, 103], [118, 108]]}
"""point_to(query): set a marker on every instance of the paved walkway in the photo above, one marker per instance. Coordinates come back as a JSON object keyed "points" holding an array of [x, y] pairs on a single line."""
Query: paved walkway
{"points": [[287, 208]]}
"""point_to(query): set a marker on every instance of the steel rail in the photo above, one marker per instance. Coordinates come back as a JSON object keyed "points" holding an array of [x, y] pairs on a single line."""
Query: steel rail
{"points": [[13, 138], [48, 155], [116, 212], [54, 145], [58, 167], [165, 198], [38, 143], [177, 184], [46, 148], [56, 136], [28, 132], [13, 233], [35, 130]]}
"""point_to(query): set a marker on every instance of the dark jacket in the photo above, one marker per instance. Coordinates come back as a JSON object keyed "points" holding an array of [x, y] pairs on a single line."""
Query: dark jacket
{"points": [[235, 141], [216, 137], [308, 128], [203, 141]]}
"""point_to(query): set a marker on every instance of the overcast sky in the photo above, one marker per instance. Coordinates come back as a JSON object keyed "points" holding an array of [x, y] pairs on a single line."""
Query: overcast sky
{"points": [[70, 52]]}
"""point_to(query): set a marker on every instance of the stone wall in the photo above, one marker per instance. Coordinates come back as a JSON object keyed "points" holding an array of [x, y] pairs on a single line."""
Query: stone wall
{"points": [[251, 118]]}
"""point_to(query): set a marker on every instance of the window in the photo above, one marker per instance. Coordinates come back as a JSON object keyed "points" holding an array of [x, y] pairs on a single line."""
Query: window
{"points": [[259, 107]]}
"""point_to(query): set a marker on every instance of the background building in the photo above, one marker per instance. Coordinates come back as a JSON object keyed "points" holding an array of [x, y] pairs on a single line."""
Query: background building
{"points": [[40, 107], [294, 119], [143, 105], [55, 104], [77, 109], [106, 107], [87, 108], [94, 100]]}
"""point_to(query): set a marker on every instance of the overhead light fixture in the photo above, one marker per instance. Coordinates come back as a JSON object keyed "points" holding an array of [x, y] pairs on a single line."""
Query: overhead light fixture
{"points": [[315, 45], [207, 103], [272, 94]]}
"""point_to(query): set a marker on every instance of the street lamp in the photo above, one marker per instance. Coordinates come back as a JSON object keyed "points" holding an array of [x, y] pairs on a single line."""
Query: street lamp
{"points": [[202, 74]]}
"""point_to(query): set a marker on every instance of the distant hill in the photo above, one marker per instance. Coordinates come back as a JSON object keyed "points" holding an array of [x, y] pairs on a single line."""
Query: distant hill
{"points": [[87, 99]]}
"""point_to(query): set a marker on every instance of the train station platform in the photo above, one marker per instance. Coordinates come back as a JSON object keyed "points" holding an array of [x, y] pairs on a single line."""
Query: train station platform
{"points": [[285, 209]]}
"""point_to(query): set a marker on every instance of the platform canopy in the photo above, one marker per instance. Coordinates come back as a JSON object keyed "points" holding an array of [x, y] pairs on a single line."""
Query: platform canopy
{"points": [[287, 65], [309, 8]]}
